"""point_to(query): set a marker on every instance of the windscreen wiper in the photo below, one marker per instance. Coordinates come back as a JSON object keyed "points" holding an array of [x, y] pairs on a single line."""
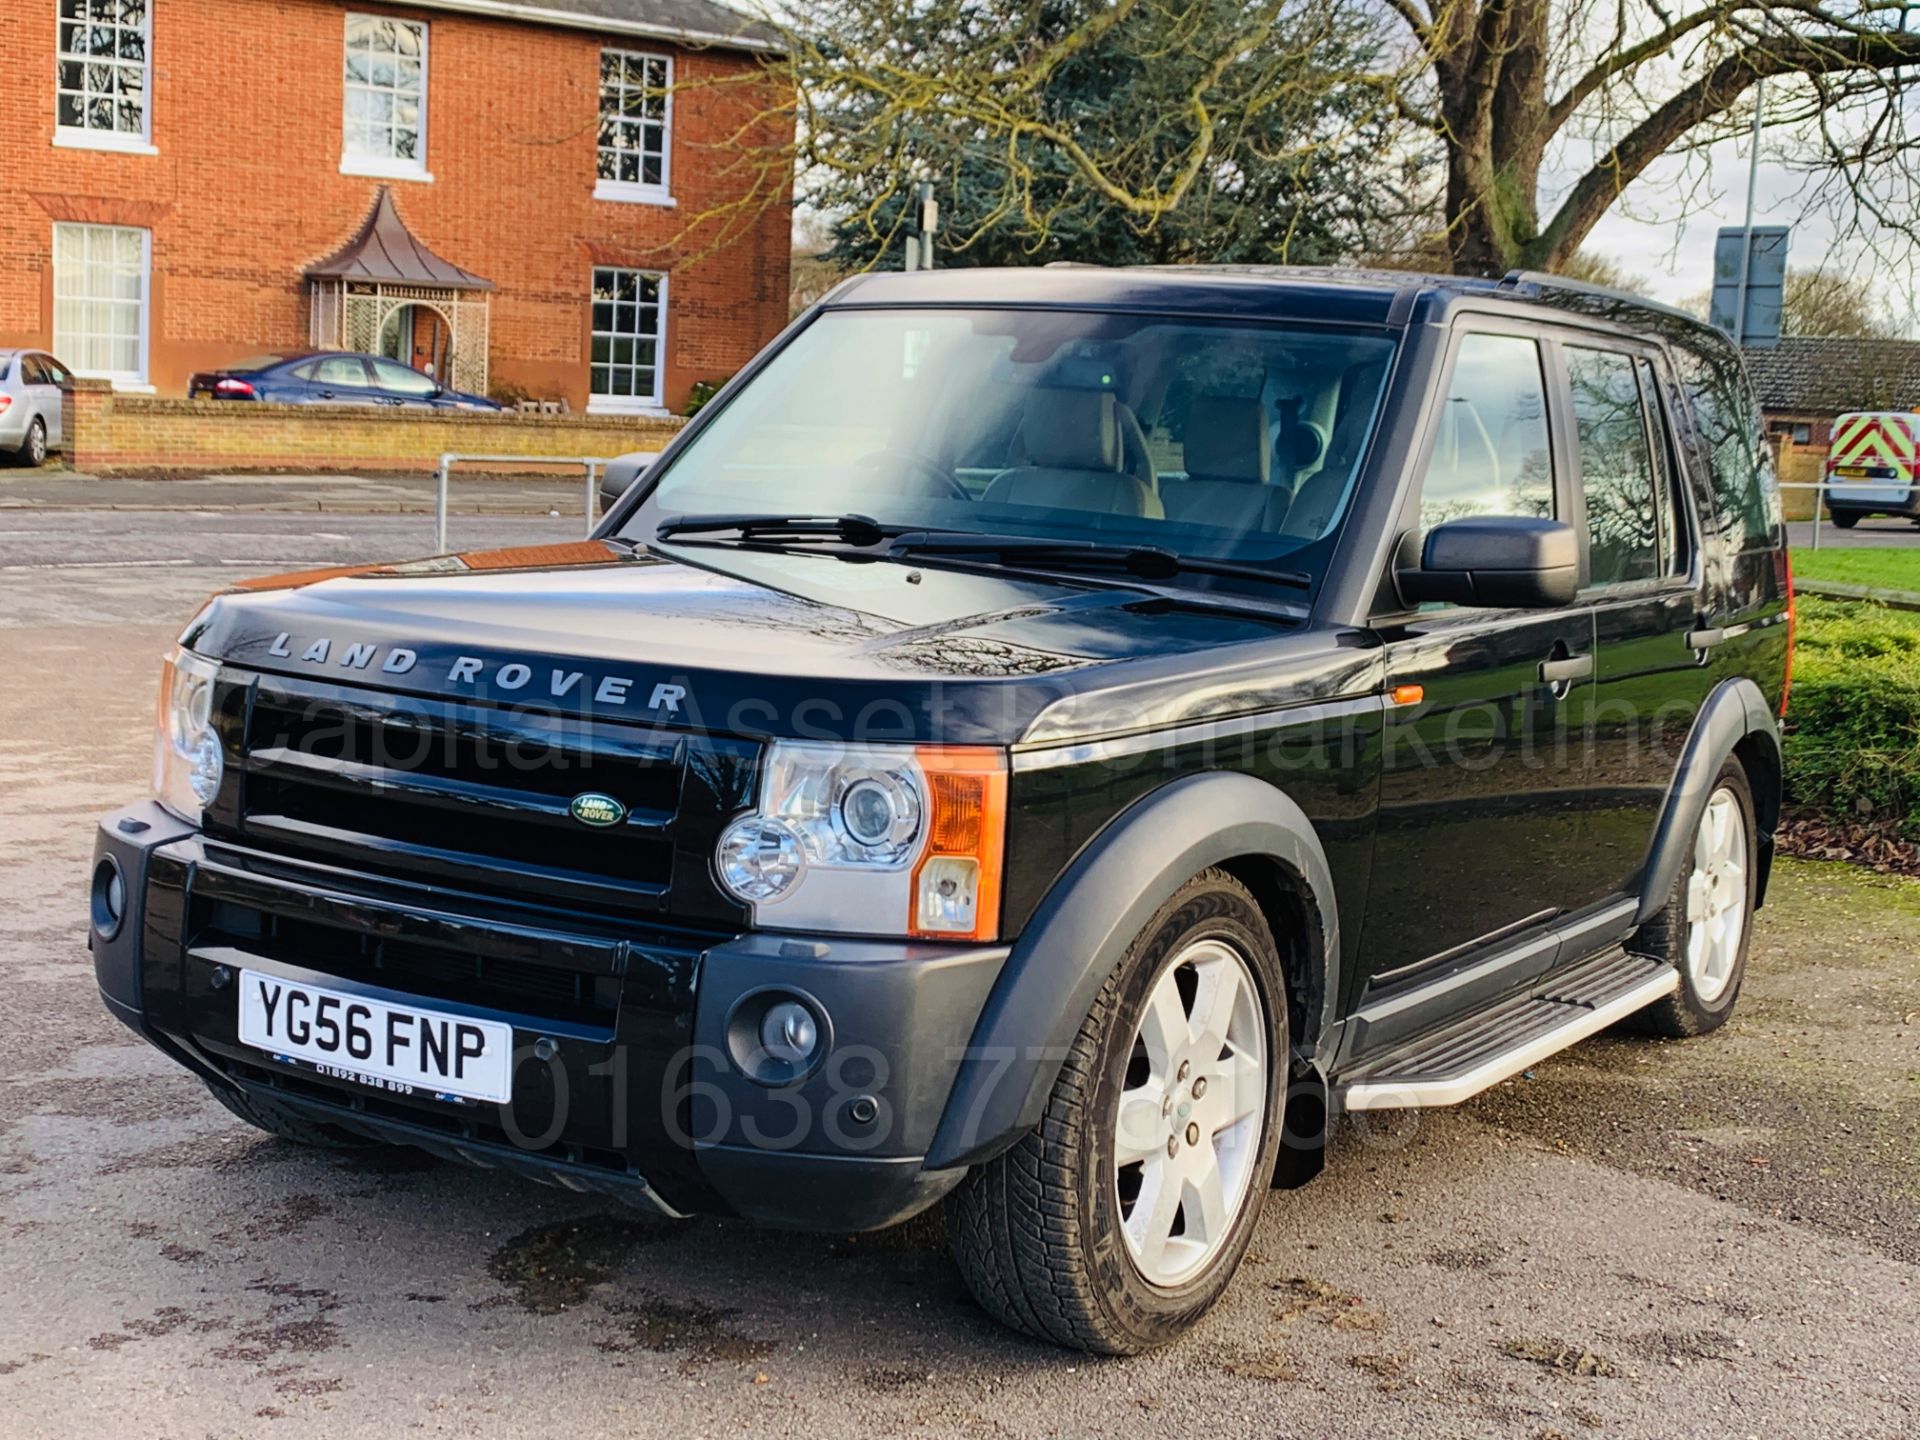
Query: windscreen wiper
{"points": [[1142, 562], [860, 530], [863, 532]]}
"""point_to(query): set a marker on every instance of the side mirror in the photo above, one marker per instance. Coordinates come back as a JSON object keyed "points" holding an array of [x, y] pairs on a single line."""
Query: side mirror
{"points": [[1496, 560], [621, 475]]}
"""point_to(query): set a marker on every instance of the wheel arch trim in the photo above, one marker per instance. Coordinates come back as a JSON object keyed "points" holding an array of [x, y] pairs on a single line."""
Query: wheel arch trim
{"points": [[1085, 924], [1735, 717]]}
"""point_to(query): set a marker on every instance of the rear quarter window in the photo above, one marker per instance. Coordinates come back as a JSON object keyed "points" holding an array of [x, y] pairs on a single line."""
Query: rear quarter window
{"points": [[1746, 491]]}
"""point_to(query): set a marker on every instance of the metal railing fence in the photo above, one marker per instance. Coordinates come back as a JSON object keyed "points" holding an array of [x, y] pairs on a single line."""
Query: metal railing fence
{"points": [[593, 464]]}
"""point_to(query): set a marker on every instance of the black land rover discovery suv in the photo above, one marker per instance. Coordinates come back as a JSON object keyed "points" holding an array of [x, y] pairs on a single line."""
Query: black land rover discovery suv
{"points": [[1047, 741]]}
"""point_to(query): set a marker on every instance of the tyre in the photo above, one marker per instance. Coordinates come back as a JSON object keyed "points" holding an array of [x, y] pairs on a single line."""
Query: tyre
{"points": [[1707, 924], [265, 1114], [33, 450], [1118, 1222], [1845, 519]]}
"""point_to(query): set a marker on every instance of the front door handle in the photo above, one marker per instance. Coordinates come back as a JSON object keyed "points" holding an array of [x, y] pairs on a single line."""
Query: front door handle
{"points": [[1567, 670]]}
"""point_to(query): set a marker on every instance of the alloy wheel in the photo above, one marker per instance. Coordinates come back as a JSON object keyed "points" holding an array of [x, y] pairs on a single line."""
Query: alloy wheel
{"points": [[1188, 1127], [1717, 896]]}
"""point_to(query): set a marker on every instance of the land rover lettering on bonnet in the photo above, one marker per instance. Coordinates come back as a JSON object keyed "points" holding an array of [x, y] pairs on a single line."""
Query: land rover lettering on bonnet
{"points": [[510, 677], [1043, 743]]}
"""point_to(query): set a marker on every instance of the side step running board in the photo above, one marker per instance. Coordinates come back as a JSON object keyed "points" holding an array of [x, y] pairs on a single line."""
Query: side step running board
{"points": [[1447, 1066]]}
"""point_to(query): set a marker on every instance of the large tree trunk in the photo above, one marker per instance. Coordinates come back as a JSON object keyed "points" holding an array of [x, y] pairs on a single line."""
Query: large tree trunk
{"points": [[1492, 225], [1492, 78]]}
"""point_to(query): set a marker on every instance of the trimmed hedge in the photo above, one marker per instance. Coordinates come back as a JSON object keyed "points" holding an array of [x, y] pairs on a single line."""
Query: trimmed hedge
{"points": [[1853, 739]]}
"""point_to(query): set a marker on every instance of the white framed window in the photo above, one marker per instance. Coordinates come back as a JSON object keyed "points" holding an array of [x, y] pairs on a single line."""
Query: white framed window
{"points": [[102, 74], [636, 127], [384, 106], [100, 300], [629, 340]]}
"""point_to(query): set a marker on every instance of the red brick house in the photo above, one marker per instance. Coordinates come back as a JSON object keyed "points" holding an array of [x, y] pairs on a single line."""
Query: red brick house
{"points": [[544, 196]]}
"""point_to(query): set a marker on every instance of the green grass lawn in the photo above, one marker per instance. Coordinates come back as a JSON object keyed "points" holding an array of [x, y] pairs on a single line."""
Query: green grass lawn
{"points": [[1887, 569]]}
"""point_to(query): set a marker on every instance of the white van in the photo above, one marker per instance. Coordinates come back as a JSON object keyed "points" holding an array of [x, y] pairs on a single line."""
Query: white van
{"points": [[1870, 467]]}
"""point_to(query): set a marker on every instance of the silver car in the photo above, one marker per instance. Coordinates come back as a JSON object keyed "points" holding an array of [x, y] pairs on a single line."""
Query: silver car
{"points": [[33, 390]]}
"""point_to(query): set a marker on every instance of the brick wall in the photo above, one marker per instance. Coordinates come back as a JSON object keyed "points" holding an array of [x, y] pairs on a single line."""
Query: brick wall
{"points": [[1799, 462], [246, 189], [116, 432]]}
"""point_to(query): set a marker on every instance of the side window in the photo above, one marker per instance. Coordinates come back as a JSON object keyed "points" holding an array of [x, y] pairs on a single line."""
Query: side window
{"points": [[1729, 424], [1491, 453], [1616, 466], [1676, 532], [402, 378], [31, 372], [342, 371], [56, 373]]}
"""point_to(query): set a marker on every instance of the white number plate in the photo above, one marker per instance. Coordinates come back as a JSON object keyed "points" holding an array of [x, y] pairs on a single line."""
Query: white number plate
{"points": [[376, 1042]]}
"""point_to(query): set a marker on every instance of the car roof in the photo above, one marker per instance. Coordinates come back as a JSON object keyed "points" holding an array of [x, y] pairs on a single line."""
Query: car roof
{"points": [[1336, 294], [254, 363]]}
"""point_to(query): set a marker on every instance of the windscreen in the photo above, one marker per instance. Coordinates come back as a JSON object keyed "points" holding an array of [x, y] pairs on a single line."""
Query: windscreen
{"points": [[1238, 441]]}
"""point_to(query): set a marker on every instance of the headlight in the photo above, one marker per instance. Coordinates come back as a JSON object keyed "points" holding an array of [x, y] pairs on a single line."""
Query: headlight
{"points": [[874, 840], [187, 764]]}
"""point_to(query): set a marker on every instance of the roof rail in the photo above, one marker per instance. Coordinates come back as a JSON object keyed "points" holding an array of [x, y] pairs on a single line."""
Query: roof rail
{"points": [[1545, 280]]}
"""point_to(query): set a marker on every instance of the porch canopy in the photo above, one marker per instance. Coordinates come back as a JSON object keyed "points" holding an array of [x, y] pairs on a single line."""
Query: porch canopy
{"points": [[384, 269]]}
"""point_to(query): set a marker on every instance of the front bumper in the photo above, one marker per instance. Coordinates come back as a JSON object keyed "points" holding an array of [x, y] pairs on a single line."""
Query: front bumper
{"points": [[627, 1079]]}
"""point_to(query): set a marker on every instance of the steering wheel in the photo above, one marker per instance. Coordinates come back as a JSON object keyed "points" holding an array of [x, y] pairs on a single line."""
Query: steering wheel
{"points": [[936, 482]]}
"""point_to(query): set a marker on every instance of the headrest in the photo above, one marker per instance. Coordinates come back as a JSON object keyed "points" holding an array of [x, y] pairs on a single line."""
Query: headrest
{"points": [[1309, 444], [1226, 439], [1072, 430]]}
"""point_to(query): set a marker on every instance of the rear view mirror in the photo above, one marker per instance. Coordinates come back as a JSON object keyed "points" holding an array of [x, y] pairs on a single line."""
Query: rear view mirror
{"points": [[620, 475], [1496, 560]]}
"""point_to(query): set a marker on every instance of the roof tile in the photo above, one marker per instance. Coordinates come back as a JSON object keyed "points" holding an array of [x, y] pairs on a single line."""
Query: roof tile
{"points": [[1830, 375]]}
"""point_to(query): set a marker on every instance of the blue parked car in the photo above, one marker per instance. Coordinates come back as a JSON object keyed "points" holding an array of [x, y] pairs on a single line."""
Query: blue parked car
{"points": [[331, 379]]}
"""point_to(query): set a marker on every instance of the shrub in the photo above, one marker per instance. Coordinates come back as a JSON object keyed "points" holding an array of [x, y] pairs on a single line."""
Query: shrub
{"points": [[699, 393], [506, 393], [1853, 742]]}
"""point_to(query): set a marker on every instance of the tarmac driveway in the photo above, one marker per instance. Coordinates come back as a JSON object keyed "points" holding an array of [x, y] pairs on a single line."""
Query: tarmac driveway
{"points": [[1719, 1238]]}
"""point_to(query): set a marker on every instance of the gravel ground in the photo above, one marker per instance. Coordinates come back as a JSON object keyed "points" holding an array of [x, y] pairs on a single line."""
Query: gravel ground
{"points": [[1714, 1238]]}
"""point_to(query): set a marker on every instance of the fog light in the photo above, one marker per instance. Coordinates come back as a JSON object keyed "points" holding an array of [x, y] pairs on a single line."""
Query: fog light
{"points": [[109, 898], [759, 859], [778, 1036], [788, 1034]]}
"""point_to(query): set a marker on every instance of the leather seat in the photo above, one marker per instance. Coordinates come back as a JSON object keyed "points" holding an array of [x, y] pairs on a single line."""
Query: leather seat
{"points": [[1320, 496], [1228, 464], [1075, 452]]}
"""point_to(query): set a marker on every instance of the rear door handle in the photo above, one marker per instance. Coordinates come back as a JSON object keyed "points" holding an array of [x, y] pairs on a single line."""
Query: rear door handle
{"points": [[1566, 671]]}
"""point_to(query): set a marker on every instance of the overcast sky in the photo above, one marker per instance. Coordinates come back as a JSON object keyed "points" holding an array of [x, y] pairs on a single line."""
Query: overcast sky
{"points": [[1675, 257]]}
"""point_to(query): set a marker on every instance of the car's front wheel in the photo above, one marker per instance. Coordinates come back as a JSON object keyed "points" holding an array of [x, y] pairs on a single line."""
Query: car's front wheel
{"points": [[1116, 1224]]}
